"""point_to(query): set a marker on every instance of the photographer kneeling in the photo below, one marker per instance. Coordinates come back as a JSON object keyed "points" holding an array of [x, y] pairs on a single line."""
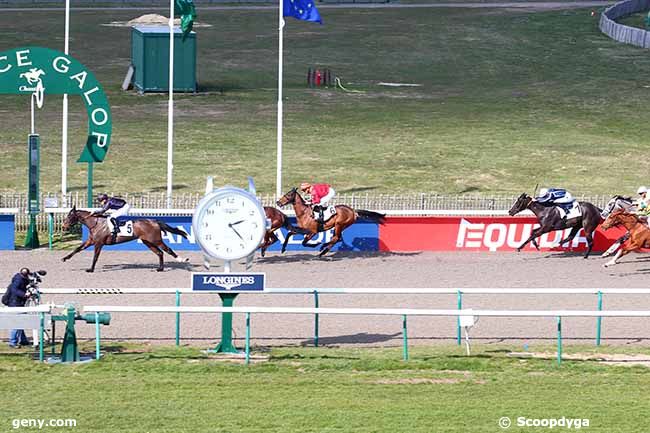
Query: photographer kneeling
{"points": [[18, 295]]}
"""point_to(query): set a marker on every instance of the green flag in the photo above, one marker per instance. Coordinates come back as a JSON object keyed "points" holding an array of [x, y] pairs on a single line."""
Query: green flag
{"points": [[185, 8]]}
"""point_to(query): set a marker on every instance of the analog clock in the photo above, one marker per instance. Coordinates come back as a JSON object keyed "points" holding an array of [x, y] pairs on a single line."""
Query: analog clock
{"points": [[229, 223]]}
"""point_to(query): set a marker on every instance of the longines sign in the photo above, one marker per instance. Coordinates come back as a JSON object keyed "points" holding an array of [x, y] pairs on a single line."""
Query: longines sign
{"points": [[235, 283], [40, 71]]}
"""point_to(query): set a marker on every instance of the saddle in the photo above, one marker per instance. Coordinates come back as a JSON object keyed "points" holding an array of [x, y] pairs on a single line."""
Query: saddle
{"points": [[569, 210]]}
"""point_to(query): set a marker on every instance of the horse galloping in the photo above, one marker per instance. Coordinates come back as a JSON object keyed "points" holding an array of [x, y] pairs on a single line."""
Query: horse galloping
{"points": [[345, 216], [615, 203], [278, 219], [147, 230], [638, 230], [550, 220]]}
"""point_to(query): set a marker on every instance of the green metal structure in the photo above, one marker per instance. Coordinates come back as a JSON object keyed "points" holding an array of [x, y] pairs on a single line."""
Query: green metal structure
{"points": [[70, 348], [150, 59], [34, 164]]}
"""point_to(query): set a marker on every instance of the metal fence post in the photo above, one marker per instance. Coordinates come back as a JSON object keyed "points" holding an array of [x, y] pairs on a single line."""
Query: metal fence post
{"points": [[316, 303], [599, 319], [559, 340], [248, 338], [41, 335], [97, 335], [406, 343], [178, 319], [460, 307], [50, 229]]}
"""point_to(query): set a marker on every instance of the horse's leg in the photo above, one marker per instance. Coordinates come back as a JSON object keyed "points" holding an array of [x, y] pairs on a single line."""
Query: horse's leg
{"points": [[156, 251], [623, 251], [171, 252], [615, 245], [590, 243], [328, 246], [534, 234], [572, 234], [88, 242], [307, 239], [98, 250], [269, 239]]}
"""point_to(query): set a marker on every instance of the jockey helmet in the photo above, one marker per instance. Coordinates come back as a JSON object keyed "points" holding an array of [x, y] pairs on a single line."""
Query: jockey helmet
{"points": [[642, 190], [102, 197], [305, 186], [543, 192]]}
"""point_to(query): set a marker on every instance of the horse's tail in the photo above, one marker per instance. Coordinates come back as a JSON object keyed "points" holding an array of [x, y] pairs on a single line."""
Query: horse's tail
{"points": [[167, 228], [290, 227], [370, 215]]}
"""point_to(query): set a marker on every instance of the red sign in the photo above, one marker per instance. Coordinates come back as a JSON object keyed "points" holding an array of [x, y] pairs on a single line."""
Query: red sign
{"points": [[479, 234]]}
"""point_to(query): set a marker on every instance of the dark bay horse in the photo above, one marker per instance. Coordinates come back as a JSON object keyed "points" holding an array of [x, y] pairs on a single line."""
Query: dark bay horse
{"points": [[344, 218], [278, 219], [639, 233], [147, 230], [550, 220]]}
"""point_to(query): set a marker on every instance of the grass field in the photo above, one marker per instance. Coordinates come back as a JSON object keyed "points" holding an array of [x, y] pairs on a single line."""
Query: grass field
{"points": [[509, 98], [144, 389]]}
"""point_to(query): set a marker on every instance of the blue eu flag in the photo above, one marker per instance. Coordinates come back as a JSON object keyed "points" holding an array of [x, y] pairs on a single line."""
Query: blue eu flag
{"points": [[302, 10]]}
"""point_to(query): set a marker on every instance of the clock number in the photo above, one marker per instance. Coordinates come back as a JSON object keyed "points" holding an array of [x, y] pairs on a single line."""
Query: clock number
{"points": [[210, 212], [208, 237], [230, 200]]}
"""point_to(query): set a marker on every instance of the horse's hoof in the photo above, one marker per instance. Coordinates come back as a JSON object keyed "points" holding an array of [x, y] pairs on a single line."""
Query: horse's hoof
{"points": [[160, 269], [64, 259], [90, 271]]}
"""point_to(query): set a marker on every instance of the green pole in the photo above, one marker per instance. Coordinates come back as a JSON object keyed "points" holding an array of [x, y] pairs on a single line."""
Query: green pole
{"points": [[97, 335], [178, 319], [406, 343], [248, 338], [41, 335], [460, 307], [50, 229], [316, 319], [53, 337], [559, 340], [90, 184], [33, 160], [599, 319], [226, 345]]}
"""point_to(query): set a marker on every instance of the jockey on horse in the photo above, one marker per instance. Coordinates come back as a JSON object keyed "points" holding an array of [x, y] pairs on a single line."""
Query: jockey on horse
{"points": [[113, 208], [320, 195], [556, 197]]}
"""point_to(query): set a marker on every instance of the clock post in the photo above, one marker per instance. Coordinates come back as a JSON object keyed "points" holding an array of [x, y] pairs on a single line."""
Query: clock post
{"points": [[229, 224]]}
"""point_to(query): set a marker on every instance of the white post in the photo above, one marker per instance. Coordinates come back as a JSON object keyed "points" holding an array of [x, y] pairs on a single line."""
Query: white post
{"points": [[278, 178], [32, 97], [170, 108], [64, 128]]}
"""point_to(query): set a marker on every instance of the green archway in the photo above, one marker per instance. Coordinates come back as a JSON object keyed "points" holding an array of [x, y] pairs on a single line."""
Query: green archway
{"points": [[30, 69]]}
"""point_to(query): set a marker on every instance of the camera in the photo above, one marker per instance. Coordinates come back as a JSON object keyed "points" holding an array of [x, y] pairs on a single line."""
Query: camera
{"points": [[34, 280]]}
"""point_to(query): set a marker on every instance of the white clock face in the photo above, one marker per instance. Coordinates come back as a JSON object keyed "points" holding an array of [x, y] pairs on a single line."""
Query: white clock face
{"points": [[229, 224]]}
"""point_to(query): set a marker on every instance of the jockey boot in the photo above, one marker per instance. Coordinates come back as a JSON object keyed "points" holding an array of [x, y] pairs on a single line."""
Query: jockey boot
{"points": [[116, 230]]}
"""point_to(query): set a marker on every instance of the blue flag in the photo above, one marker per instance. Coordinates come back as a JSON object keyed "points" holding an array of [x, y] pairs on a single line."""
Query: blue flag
{"points": [[301, 9]]}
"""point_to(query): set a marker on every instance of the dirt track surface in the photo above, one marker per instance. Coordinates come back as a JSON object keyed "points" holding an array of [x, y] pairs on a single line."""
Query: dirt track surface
{"points": [[386, 270]]}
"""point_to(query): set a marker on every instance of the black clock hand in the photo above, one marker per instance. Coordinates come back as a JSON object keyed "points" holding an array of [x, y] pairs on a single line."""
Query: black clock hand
{"points": [[235, 223], [236, 232]]}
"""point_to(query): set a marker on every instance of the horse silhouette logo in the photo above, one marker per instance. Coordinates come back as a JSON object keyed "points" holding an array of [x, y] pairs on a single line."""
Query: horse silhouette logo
{"points": [[33, 78]]}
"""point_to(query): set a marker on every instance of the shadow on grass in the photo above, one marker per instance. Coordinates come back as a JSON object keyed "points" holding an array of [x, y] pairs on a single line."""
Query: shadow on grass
{"points": [[359, 338], [131, 266], [175, 187]]}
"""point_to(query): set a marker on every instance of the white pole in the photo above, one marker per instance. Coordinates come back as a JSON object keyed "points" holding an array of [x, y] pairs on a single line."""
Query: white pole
{"points": [[170, 108], [278, 178], [32, 102], [64, 128]]}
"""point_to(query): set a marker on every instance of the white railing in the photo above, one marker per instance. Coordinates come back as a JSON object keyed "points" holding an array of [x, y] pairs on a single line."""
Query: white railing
{"points": [[337, 290], [9, 210]]}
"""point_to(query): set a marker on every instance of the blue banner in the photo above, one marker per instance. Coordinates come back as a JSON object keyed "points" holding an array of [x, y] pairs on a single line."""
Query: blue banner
{"points": [[7, 231], [361, 236], [233, 283]]}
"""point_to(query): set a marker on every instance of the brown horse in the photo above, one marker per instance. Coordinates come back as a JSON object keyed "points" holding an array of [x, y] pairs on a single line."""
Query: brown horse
{"points": [[344, 218], [639, 233], [147, 230], [278, 219]]}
